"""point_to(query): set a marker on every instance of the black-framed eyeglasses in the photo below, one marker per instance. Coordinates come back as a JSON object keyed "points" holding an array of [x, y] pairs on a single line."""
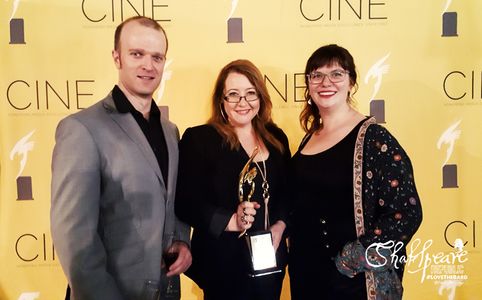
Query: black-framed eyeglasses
{"points": [[334, 76], [234, 97]]}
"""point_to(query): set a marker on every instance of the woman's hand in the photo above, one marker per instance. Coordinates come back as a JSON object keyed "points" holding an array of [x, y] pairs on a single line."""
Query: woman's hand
{"points": [[245, 214], [277, 230], [243, 218]]}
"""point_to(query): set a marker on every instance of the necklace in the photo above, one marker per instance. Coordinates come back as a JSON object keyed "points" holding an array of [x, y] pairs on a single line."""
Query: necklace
{"points": [[265, 186]]}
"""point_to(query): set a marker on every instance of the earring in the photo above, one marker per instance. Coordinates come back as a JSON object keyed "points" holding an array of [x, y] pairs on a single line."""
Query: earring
{"points": [[222, 114], [309, 101]]}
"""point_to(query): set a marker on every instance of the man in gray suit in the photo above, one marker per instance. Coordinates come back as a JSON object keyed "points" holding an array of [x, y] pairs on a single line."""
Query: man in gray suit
{"points": [[114, 173]]}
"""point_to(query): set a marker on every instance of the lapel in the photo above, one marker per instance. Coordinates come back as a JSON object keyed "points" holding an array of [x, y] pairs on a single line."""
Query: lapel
{"points": [[130, 127], [172, 138]]}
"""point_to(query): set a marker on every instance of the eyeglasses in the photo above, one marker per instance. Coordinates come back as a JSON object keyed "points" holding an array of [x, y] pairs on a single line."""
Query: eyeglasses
{"points": [[234, 97], [334, 76]]}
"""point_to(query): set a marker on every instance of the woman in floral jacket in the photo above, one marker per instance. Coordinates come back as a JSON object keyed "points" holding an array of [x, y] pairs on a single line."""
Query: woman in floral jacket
{"points": [[355, 201]]}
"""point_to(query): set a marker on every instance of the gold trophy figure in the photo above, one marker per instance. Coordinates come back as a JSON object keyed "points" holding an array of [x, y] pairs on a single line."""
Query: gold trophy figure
{"points": [[247, 177]]}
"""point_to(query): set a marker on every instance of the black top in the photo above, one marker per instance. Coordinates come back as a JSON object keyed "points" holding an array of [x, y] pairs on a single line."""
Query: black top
{"points": [[151, 128], [323, 184], [207, 196], [323, 220]]}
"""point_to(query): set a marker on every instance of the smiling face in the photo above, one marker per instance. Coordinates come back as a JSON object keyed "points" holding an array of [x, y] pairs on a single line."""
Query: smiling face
{"points": [[140, 59], [328, 95], [242, 113]]}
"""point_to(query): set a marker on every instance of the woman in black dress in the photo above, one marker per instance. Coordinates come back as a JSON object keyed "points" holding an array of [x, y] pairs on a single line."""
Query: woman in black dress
{"points": [[353, 187], [211, 159]]}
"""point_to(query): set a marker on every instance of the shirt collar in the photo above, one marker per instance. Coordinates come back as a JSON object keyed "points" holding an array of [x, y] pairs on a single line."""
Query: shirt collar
{"points": [[124, 106]]}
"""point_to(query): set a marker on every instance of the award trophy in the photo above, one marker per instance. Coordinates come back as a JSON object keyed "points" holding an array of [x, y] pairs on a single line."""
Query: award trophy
{"points": [[260, 243]]}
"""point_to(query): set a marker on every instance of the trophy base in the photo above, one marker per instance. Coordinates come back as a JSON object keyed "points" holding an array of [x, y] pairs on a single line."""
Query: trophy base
{"points": [[264, 272], [262, 253]]}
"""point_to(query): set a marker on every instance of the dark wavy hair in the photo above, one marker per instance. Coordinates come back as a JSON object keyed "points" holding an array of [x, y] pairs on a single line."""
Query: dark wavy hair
{"points": [[328, 55], [260, 122]]}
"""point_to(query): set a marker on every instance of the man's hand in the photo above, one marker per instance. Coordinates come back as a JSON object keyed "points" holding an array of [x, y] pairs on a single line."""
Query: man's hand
{"points": [[183, 261]]}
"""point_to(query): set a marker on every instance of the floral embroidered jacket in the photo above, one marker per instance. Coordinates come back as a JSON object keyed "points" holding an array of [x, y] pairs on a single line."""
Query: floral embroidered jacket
{"points": [[387, 207]]}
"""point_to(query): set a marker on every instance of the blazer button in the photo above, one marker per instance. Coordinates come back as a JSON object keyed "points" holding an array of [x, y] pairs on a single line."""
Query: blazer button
{"points": [[327, 246], [324, 232], [322, 221]]}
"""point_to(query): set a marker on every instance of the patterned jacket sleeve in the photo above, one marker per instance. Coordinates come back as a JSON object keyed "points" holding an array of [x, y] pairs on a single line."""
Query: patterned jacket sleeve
{"points": [[392, 209]]}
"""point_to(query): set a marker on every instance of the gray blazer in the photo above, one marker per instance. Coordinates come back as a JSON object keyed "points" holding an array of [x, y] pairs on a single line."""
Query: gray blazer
{"points": [[111, 209]]}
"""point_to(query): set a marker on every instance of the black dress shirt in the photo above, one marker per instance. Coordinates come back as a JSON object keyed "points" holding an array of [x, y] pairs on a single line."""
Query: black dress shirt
{"points": [[151, 128]]}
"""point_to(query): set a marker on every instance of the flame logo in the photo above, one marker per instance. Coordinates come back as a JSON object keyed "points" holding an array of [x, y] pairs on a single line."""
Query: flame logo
{"points": [[458, 245], [22, 147], [14, 8], [166, 75], [234, 4], [447, 4], [449, 137], [450, 286], [29, 296], [377, 71]]}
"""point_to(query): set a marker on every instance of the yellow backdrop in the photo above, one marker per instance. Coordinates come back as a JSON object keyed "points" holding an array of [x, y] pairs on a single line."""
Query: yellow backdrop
{"points": [[420, 71]]}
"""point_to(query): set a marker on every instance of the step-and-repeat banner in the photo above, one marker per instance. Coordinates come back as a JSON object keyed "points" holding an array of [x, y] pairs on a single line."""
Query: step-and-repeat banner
{"points": [[420, 67]]}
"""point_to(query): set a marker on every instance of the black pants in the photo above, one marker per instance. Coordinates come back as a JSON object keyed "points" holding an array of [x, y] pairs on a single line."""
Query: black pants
{"points": [[259, 288]]}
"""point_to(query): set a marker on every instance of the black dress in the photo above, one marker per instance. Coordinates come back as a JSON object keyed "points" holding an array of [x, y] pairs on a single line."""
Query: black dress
{"points": [[323, 222], [207, 196]]}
